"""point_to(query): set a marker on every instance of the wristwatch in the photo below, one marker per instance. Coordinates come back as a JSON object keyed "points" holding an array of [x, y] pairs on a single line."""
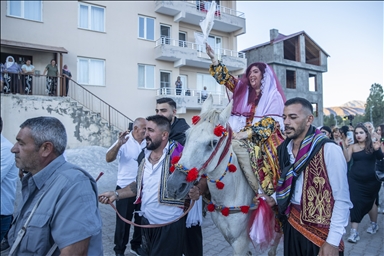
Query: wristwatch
{"points": [[117, 195]]}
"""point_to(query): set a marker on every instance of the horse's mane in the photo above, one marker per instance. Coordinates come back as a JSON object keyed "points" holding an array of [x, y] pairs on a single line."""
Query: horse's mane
{"points": [[213, 116]]}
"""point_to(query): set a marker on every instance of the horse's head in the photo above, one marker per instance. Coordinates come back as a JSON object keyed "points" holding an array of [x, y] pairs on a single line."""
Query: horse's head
{"points": [[202, 149]]}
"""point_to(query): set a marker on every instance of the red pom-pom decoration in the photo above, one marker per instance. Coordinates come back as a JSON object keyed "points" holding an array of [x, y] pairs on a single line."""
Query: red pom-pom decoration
{"points": [[219, 130], [175, 159], [225, 211], [211, 207], [195, 119], [232, 168], [219, 184], [192, 175], [244, 209], [172, 168]]}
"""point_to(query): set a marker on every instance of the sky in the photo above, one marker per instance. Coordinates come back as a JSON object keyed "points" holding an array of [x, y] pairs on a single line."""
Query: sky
{"points": [[351, 32]]}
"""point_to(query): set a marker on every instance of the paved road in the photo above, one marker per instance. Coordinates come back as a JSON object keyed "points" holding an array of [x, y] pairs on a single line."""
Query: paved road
{"points": [[92, 159]]}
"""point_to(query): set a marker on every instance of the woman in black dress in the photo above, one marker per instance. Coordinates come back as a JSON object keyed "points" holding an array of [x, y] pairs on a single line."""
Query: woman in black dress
{"points": [[363, 186]]}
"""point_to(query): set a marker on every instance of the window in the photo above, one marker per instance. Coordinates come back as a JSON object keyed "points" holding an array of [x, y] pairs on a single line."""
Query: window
{"points": [[146, 76], [312, 53], [165, 82], [292, 49], [146, 28], [291, 79], [182, 39], [30, 10], [165, 33], [91, 71], [91, 17], [315, 110], [210, 82], [213, 41], [312, 83]]}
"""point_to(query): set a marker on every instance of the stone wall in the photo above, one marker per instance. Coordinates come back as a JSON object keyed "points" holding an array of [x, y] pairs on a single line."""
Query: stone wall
{"points": [[84, 128]]}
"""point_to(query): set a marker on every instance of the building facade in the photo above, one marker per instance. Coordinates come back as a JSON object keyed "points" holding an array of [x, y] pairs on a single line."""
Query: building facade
{"points": [[127, 53], [298, 62]]}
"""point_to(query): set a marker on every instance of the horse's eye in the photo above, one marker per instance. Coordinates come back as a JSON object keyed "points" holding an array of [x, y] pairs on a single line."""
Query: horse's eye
{"points": [[214, 143]]}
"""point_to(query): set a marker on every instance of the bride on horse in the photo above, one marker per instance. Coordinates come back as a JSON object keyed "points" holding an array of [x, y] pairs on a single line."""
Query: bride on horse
{"points": [[256, 119]]}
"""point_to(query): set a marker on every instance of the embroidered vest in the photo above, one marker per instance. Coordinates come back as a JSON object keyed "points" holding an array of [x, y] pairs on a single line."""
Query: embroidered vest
{"points": [[317, 200], [174, 150]]}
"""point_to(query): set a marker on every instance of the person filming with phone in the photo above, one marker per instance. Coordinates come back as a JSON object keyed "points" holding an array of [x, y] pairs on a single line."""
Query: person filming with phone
{"points": [[127, 147]]}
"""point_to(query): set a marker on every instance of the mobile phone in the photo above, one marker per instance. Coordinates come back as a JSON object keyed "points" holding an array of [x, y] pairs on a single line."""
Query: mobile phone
{"points": [[130, 127], [351, 140]]}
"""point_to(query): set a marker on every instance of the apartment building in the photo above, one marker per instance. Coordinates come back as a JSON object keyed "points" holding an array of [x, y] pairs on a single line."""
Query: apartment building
{"points": [[127, 53]]}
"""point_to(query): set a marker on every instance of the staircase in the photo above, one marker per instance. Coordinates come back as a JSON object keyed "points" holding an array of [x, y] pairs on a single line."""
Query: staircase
{"points": [[89, 120]]}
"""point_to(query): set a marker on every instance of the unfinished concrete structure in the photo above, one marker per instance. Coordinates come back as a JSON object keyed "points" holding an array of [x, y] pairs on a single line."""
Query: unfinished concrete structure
{"points": [[298, 62]]}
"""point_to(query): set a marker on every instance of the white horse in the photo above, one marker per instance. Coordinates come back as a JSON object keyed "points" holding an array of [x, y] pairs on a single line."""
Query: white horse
{"points": [[211, 155]]}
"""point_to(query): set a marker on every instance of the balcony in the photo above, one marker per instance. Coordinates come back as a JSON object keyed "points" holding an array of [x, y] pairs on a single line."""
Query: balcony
{"points": [[183, 53], [226, 20], [191, 99]]}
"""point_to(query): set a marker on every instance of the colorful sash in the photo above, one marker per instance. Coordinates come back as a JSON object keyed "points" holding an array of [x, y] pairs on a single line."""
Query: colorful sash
{"points": [[311, 144]]}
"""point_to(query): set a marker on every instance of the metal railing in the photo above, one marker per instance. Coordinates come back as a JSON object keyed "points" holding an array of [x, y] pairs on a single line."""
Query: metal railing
{"points": [[204, 6], [218, 97], [198, 47], [39, 85]]}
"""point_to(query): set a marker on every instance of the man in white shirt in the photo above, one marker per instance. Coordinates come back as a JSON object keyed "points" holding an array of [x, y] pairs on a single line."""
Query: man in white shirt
{"points": [[313, 192], [9, 174], [127, 148], [156, 208]]}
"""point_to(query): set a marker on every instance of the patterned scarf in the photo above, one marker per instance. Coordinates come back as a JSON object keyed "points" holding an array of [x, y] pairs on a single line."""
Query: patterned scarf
{"points": [[311, 144]]}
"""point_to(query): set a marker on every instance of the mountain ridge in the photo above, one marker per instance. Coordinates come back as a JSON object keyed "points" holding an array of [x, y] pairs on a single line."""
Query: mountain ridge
{"points": [[353, 107]]}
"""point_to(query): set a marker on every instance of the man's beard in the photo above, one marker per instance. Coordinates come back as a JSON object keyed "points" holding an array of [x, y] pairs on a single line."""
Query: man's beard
{"points": [[153, 144], [296, 132]]}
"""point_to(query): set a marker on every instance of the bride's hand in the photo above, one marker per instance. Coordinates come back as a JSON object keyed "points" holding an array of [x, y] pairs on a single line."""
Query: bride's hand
{"points": [[210, 52]]}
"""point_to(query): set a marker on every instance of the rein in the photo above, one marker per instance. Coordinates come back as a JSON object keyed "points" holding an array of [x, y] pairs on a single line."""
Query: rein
{"points": [[152, 225], [225, 151]]}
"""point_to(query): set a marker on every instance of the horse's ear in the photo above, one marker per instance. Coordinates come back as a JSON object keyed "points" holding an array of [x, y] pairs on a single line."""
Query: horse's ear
{"points": [[207, 104], [226, 113]]}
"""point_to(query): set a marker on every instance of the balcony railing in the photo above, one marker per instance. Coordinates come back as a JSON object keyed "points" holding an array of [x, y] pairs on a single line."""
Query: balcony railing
{"points": [[204, 6], [219, 98], [198, 47], [75, 91]]}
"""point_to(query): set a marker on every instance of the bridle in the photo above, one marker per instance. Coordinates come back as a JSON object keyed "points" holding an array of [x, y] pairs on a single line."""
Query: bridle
{"points": [[225, 150]]}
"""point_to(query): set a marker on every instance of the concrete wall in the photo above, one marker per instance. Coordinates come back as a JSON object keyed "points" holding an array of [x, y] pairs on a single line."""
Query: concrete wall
{"points": [[83, 127]]}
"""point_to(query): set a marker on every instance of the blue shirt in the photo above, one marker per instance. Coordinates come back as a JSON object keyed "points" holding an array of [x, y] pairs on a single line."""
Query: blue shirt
{"points": [[68, 212], [9, 173]]}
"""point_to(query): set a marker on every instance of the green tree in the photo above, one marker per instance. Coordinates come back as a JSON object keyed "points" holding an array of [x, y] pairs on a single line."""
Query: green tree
{"points": [[375, 105]]}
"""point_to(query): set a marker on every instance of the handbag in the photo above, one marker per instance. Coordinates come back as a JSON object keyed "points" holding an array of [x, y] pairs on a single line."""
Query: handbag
{"points": [[380, 170]]}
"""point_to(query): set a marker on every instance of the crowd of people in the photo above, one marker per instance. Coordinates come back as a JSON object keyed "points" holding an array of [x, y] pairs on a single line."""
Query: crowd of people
{"points": [[314, 180], [17, 78]]}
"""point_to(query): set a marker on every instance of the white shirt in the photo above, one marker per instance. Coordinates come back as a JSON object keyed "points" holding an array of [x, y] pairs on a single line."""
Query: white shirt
{"points": [[155, 212], [128, 166], [337, 174], [27, 68], [9, 176]]}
